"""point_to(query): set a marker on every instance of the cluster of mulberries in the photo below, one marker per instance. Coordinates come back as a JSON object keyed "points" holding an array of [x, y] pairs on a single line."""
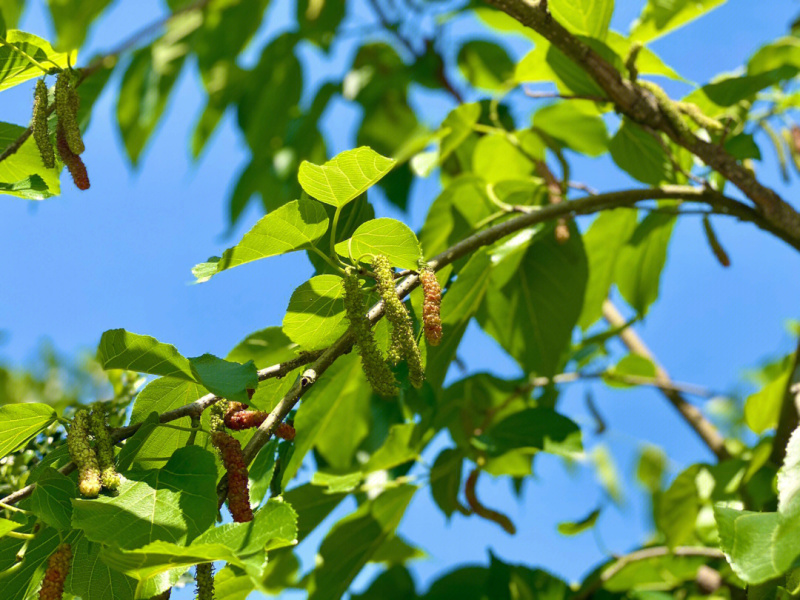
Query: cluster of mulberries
{"points": [[204, 577], [230, 451], [238, 418], [104, 448], [83, 455], [41, 134], [431, 304], [67, 110], [378, 373], [404, 343], [56, 574]]}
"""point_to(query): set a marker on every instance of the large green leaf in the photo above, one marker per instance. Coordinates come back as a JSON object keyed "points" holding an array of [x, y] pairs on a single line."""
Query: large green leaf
{"points": [[72, 19], [458, 125], [315, 317], [355, 539], [51, 499], [535, 297], [264, 347], [15, 68], [273, 526], [120, 349], [174, 504], [157, 557], [445, 479], [662, 16], [604, 241], [21, 422], [485, 65], [575, 124], [293, 226], [640, 154], [346, 176], [496, 159], [763, 408], [390, 237], [587, 17], [641, 261], [91, 579], [23, 174], [533, 429], [312, 504], [223, 378], [343, 391]]}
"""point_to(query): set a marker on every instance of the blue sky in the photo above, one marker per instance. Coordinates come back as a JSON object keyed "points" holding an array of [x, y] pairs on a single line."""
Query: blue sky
{"points": [[120, 256]]}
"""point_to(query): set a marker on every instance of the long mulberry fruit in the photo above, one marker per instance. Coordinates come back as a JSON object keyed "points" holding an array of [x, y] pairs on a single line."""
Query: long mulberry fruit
{"points": [[67, 111], [378, 373], [83, 455], [74, 162], [56, 574], [104, 448], [431, 304], [40, 133], [230, 450], [402, 329], [204, 577]]}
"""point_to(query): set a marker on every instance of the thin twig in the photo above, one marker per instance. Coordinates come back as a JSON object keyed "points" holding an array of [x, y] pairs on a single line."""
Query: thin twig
{"points": [[702, 426]]}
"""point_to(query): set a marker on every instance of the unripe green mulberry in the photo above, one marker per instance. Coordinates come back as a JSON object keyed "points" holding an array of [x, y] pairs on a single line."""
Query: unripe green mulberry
{"points": [[402, 328], [83, 455], [218, 412], [58, 566], [378, 373], [40, 133], [431, 303], [230, 451], [73, 162], [668, 108], [67, 111], [698, 116], [104, 448], [204, 576]]}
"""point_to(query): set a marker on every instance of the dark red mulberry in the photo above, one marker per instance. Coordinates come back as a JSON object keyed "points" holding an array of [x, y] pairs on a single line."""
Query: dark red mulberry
{"points": [[56, 574], [73, 162], [230, 450]]}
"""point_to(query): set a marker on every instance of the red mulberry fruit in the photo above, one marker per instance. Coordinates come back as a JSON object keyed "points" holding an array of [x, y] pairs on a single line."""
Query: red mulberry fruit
{"points": [[56, 574], [73, 162], [67, 111], [204, 577], [230, 450], [40, 133], [83, 455], [285, 431], [403, 338], [431, 305], [714, 243], [378, 373], [104, 448], [481, 510]]}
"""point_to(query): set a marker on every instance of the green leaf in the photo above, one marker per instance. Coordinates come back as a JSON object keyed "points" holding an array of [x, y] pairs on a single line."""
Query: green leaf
{"points": [[648, 62], [541, 283], [15, 68], [575, 124], [145, 90], [223, 378], [293, 226], [403, 444], [312, 504], [496, 159], [174, 504], [603, 242], [265, 347], [345, 177], [532, 429], [51, 499], [445, 479], [575, 527], [120, 349], [72, 19], [762, 409], [273, 526], [641, 261], [389, 237], [458, 124], [20, 423], [396, 551], [318, 423], [23, 173], [651, 468], [587, 17], [21, 583], [91, 579], [260, 472], [640, 155], [157, 557], [662, 16], [485, 65], [630, 365], [355, 539], [315, 317], [7, 525]]}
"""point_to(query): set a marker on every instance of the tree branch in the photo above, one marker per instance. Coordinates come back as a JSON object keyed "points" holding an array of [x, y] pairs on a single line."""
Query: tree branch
{"points": [[788, 418], [641, 106], [324, 359], [704, 428]]}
